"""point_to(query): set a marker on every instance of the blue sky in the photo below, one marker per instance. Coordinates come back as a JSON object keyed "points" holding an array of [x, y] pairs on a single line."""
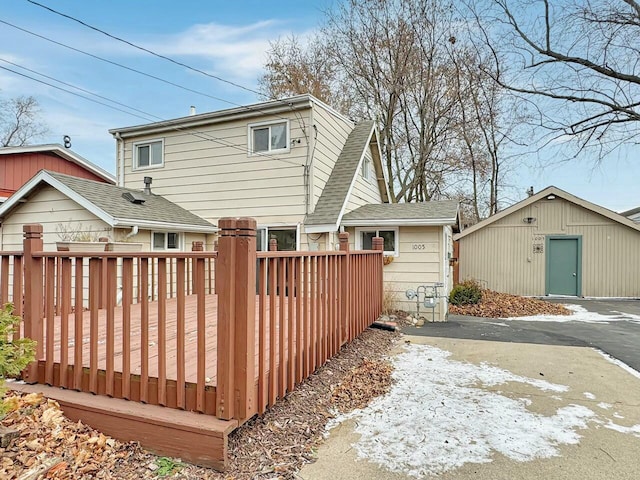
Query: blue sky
{"points": [[226, 39]]}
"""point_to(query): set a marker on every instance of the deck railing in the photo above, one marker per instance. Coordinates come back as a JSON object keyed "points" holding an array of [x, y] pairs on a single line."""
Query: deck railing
{"points": [[224, 333]]}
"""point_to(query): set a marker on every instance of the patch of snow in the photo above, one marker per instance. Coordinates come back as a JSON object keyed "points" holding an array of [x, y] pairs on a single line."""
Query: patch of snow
{"points": [[438, 417], [500, 324], [633, 430], [617, 415], [580, 314], [589, 395], [605, 406], [619, 363], [556, 397]]}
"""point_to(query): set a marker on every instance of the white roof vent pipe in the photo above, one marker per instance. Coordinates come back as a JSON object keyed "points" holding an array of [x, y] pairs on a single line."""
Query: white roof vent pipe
{"points": [[192, 111]]}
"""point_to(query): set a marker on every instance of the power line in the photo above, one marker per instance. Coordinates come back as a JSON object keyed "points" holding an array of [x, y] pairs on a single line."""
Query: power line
{"points": [[147, 116], [131, 69], [151, 52], [77, 88], [72, 93], [102, 59]]}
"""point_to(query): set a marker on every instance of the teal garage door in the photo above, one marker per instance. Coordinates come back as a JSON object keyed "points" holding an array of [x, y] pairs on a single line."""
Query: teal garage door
{"points": [[564, 260]]}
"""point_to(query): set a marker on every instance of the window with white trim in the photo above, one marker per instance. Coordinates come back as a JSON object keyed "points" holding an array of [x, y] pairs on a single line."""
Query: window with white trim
{"points": [[165, 241], [268, 137], [148, 154], [287, 238], [364, 239], [366, 168]]}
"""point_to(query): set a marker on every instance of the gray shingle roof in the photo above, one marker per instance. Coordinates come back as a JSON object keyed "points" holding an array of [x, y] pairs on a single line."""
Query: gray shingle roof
{"points": [[445, 210], [109, 199], [336, 190]]}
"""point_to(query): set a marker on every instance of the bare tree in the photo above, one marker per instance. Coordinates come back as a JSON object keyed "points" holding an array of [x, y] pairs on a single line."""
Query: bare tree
{"points": [[20, 121], [402, 63], [294, 68], [578, 60], [394, 57]]}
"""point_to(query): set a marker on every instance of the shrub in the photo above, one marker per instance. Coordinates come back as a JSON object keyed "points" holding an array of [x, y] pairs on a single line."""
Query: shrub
{"points": [[15, 355], [468, 292]]}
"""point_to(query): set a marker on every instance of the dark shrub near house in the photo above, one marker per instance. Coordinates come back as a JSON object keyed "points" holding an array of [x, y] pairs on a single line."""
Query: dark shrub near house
{"points": [[468, 292]]}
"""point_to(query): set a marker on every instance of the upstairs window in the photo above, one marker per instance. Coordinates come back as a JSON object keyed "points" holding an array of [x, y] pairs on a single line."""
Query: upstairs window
{"points": [[166, 241], [148, 154], [269, 137]]}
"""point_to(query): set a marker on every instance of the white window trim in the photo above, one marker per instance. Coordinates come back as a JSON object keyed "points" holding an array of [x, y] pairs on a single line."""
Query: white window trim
{"points": [[135, 166], [394, 253], [366, 162], [250, 128], [165, 249], [265, 229]]}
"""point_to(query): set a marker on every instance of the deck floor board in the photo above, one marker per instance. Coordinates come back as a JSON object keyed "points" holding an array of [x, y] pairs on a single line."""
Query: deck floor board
{"points": [[190, 339]]}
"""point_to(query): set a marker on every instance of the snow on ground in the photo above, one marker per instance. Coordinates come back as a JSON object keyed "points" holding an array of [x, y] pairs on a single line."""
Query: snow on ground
{"points": [[580, 314], [438, 417], [605, 406], [633, 430], [589, 395]]}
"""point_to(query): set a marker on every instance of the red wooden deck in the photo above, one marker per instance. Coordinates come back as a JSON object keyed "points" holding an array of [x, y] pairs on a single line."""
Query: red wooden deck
{"points": [[171, 338]]}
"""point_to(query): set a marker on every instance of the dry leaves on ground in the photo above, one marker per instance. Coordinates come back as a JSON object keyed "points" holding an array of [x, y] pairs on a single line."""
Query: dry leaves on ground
{"points": [[364, 383], [272, 446], [504, 305]]}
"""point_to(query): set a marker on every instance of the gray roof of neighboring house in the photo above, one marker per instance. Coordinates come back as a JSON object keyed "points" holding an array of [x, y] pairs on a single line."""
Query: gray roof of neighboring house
{"points": [[107, 201], [444, 212], [556, 192], [336, 190]]}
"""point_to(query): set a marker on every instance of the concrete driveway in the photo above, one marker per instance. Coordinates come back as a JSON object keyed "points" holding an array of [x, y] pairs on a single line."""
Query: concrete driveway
{"points": [[444, 407], [618, 337]]}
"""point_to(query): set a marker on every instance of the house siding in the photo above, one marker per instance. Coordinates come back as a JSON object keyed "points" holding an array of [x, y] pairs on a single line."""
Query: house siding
{"points": [[208, 171], [332, 133], [412, 268], [364, 191], [501, 255], [16, 169], [51, 209]]}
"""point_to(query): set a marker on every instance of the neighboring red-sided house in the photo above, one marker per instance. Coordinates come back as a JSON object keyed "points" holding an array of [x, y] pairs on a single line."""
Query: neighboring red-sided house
{"points": [[19, 164]]}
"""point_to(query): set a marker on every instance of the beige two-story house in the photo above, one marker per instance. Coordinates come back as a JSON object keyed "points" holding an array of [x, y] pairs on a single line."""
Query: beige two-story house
{"points": [[286, 163], [304, 171]]}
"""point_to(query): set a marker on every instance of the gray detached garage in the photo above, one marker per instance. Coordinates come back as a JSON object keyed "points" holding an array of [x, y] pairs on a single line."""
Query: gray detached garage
{"points": [[554, 243]]}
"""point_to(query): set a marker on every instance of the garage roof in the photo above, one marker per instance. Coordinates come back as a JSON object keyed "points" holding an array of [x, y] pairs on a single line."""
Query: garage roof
{"points": [[616, 217]]}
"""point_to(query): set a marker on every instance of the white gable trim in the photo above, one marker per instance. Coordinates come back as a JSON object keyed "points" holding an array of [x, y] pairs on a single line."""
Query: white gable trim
{"points": [[539, 196], [355, 178], [44, 176]]}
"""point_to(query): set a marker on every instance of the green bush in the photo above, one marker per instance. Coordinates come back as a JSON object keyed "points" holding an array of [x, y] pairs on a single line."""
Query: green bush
{"points": [[15, 355], [468, 292]]}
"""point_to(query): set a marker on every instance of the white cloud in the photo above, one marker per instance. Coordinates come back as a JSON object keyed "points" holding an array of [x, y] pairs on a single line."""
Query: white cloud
{"points": [[236, 51]]}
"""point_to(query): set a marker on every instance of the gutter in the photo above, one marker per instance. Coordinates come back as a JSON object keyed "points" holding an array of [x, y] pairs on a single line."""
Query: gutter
{"points": [[418, 222]]}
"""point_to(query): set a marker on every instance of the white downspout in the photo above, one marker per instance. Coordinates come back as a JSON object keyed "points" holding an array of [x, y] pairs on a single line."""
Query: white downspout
{"points": [[134, 231], [120, 159]]}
